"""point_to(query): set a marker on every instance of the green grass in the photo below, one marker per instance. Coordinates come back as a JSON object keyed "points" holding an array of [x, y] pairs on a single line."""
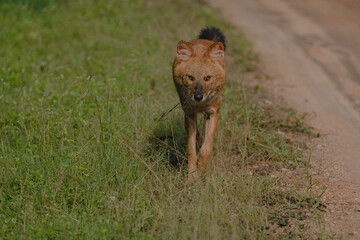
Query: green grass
{"points": [[85, 152]]}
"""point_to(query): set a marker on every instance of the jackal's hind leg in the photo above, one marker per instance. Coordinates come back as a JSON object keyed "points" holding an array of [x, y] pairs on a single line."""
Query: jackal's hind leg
{"points": [[198, 139]]}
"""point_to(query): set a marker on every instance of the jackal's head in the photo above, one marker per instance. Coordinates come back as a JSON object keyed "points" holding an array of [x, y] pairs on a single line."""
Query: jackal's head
{"points": [[199, 70]]}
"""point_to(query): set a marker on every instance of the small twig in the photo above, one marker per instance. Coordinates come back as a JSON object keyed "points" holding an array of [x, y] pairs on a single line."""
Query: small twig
{"points": [[158, 119]]}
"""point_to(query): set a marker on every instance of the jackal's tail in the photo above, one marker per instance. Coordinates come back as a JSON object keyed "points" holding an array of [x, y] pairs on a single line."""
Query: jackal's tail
{"points": [[213, 34]]}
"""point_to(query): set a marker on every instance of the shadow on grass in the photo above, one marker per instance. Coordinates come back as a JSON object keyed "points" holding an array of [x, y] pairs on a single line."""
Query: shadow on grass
{"points": [[169, 140]]}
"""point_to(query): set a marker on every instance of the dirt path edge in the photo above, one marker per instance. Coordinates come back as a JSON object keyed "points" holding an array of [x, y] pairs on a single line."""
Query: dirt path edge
{"points": [[315, 68]]}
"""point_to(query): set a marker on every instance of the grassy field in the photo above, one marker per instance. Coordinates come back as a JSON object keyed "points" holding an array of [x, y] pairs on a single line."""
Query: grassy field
{"points": [[91, 148]]}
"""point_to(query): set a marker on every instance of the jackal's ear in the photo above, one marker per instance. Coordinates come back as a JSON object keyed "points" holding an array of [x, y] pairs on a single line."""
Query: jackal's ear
{"points": [[184, 51], [216, 51]]}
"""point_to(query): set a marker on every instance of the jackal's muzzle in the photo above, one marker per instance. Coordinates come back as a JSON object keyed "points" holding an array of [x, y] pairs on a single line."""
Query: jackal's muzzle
{"points": [[198, 93]]}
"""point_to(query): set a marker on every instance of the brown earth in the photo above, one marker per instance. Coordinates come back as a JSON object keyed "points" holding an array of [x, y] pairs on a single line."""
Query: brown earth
{"points": [[312, 48]]}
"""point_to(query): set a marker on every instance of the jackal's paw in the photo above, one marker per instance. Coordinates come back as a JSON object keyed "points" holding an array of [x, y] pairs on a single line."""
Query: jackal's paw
{"points": [[192, 176]]}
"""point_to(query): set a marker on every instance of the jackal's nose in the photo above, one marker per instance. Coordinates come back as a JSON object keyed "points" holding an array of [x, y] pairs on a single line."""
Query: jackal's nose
{"points": [[198, 97], [198, 93]]}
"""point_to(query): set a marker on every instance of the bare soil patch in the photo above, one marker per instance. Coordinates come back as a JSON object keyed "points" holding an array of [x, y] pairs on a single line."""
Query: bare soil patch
{"points": [[311, 49]]}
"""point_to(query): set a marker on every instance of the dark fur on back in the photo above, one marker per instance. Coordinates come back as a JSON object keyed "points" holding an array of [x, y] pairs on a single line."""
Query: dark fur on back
{"points": [[213, 34]]}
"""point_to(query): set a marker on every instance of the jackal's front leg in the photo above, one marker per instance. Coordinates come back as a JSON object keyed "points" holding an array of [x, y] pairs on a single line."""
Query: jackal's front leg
{"points": [[210, 124], [191, 128]]}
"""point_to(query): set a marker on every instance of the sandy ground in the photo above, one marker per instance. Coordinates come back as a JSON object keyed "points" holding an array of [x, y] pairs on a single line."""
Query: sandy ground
{"points": [[312, 48]]}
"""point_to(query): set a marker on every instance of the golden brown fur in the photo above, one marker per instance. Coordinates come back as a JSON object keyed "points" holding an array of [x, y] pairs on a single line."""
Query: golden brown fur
{"points": [[199, 75]]}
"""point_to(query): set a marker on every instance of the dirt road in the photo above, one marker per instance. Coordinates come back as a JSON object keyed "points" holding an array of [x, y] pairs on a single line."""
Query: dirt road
{"points": [[313, 50]]}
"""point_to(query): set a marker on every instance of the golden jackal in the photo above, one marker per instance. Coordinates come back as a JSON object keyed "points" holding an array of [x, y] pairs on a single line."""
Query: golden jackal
{"points": [[199, 75]]}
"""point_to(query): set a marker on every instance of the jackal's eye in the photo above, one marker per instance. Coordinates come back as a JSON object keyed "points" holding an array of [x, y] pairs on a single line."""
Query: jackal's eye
{"points": [[191, 78], [207, 78]]}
